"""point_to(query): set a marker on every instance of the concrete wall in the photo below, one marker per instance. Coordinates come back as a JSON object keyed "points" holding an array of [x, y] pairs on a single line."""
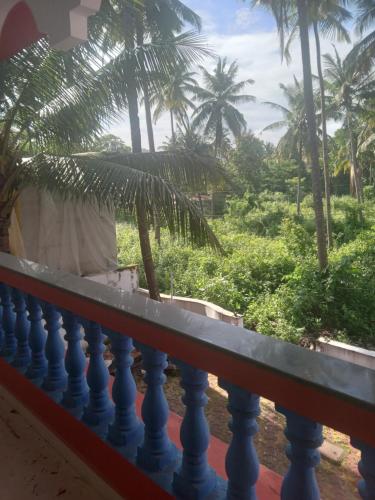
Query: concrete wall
{"points": [[125, 278], [346, 352], [201, 307]]}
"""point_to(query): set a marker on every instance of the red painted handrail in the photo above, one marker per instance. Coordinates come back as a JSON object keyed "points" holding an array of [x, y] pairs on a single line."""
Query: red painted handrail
{"points": [[327, 390]]}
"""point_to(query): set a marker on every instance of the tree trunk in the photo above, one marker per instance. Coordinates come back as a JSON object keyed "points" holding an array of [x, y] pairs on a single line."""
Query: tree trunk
{"points": [[148, 262], [144, 238], [151, 147], [6, 205], [172, 128], [327, 186], [150, 130], [4, 228], [299, 192], [218, 136], [299, 175], [311, 124], [356, 169]]}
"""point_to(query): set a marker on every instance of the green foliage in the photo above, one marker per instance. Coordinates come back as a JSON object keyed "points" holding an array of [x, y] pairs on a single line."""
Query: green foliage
{"points": [[110, 143], [270, 273], [248, 161], [339, 302], [252, 266]]}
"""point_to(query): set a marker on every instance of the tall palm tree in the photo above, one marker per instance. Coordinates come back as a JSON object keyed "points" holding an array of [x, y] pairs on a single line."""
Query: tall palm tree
{"points": [[128, 18], [138, 21], [218, 100], [282, 11], [47, 118], [293, 144], [173, 98], [327, 18], [350, 86], [163, 18]]}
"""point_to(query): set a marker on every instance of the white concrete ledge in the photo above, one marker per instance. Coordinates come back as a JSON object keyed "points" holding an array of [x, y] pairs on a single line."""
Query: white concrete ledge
{"points": [[202, 307], [346, 352]]}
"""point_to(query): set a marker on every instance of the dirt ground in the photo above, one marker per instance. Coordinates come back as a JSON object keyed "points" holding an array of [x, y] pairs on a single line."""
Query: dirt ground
{"points": [[335, 481]]}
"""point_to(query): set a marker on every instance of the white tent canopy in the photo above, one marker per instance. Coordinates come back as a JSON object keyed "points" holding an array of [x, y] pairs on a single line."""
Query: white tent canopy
{"points": [[76, 237]]}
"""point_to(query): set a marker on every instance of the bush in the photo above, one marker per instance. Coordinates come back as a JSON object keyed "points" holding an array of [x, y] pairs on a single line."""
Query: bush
{"points": [[340, 301], [269, 272]]}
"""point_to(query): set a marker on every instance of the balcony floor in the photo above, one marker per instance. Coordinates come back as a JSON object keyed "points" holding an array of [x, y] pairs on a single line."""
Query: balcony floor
{"points": [[31, 467], [35, 469]]}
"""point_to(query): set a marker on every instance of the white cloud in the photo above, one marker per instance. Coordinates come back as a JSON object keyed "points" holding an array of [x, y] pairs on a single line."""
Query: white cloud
{"points": [[258, 56], [243, 17]]}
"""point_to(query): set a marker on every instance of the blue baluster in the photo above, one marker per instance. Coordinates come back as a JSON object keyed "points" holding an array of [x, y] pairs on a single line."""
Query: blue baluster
{"points": [[100, 410], [195, 479], [9, 320], [304, 436], [21, 330], [56, 378], [126, 430], [37, 340], [77, 394], [157, 452], [366, 467], [241, 462]]}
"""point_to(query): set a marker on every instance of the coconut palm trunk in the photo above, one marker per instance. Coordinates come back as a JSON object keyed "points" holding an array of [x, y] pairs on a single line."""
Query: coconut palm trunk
{"points": [[356, 169], [151, 147], [150, 129], [8, 195], [312, 131], [218, 136], [172, 127], [327, 186], [5, 213], [146, 94], [142, 222], [299, 175]]}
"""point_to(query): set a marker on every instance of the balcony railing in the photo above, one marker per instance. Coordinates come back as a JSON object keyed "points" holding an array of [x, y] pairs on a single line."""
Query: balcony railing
{"points": [[73, 401]]}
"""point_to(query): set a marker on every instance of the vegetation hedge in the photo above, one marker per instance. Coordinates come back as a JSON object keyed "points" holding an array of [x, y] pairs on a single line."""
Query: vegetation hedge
{"points": [[269, 271]]}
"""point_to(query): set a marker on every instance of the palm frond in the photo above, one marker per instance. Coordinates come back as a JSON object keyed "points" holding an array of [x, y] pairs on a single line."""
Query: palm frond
{"points": [[95, 179]]}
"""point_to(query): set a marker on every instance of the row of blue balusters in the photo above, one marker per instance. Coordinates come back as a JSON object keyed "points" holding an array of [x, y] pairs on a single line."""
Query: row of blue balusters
{"points": [[42, 358]]}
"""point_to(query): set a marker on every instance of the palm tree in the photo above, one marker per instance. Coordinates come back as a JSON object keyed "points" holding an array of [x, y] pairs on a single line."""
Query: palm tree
{"points": [[218, 100], [282, 11], [188, 138], [173, 97], [364, 51], [164, 17], [141, 73], [327, 18], [350, 87], [293, 144], [42, 111]]}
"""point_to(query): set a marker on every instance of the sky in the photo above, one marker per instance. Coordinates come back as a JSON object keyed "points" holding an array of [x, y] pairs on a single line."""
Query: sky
{"points": [[235, 31]]}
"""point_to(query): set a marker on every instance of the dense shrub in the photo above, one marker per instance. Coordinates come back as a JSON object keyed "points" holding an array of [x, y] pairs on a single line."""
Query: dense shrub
{"points": [[339, 302], [252, 265], [269, 272]]}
